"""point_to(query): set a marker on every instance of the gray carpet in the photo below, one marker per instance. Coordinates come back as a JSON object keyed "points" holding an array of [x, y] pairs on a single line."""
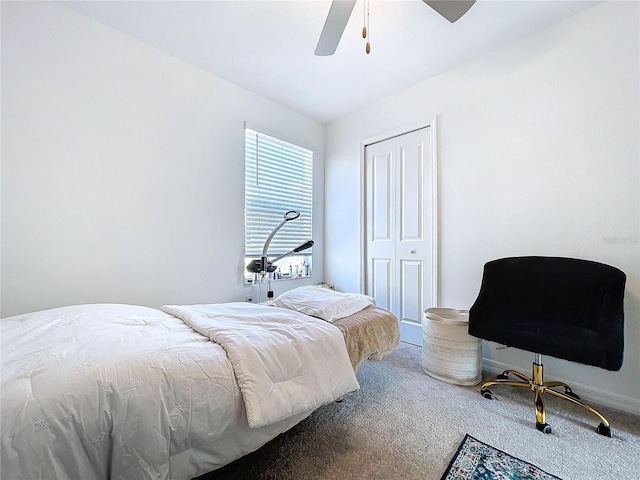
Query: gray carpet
{"points": [[403, 424]]}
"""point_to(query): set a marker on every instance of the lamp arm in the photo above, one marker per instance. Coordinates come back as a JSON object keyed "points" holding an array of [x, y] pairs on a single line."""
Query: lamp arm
{"points": [[270, 237], [264, 262], [304, 246], [288, 216]]}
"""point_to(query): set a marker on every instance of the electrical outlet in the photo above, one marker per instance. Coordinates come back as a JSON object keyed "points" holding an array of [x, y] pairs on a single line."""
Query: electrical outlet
{"points": [[248, 298]]}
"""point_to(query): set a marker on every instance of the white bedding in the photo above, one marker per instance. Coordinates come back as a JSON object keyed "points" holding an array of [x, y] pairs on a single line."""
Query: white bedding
{"points": [[322, 302], [285, 362], [127, 392]]}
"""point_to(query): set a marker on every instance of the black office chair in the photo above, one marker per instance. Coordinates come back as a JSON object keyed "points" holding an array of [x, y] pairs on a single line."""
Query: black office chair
{"points": [[563, 307]]}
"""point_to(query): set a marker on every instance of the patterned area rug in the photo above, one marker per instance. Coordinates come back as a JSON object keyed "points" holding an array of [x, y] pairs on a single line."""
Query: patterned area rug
{"points": [[475, 460]]}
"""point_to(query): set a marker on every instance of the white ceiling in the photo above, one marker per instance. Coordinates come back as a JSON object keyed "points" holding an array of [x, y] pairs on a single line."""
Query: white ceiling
{"points": [[267, 46]]}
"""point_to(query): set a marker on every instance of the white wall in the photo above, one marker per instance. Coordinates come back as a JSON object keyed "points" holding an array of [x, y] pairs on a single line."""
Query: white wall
{"points": [[538, 155], [122, 168]]}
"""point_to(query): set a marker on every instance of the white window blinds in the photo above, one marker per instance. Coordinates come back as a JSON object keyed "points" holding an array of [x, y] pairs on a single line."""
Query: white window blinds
{"points": [[278, 178]]}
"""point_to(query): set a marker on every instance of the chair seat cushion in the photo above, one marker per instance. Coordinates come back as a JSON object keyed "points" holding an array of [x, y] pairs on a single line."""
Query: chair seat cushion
{"points": [[546, 338]]}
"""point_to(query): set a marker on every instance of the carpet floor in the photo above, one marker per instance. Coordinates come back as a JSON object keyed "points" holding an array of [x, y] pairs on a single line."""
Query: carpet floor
{"points": [[403, 424]]}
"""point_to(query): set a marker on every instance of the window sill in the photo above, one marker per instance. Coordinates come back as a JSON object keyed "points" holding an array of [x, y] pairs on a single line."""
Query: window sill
{"points": [[249, 281]]}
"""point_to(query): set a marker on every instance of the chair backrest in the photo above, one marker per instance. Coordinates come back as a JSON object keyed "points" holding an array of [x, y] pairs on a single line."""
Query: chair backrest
{"points": [[547, 296]]}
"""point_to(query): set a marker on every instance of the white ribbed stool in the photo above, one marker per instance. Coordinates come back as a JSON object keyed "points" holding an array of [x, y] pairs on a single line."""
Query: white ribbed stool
{"points": [[449, 353]]}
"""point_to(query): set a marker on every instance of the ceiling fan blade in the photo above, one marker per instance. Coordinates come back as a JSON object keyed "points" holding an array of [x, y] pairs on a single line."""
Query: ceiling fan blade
{"points": [[452, 10], [335, 24]]}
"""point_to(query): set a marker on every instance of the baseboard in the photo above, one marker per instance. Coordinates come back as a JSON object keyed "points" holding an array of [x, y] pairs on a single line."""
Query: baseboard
{"points": [[587, 393]]}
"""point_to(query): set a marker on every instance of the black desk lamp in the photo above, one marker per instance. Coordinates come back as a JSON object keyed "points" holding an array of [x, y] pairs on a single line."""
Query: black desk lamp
{"points": [[263, 265]]}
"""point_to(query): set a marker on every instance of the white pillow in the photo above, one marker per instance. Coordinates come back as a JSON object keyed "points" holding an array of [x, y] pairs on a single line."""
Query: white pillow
{"points": [[323, 302]]}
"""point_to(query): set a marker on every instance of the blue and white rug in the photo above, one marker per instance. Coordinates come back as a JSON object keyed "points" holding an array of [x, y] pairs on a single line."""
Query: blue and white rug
{"points": [[476, 460]]}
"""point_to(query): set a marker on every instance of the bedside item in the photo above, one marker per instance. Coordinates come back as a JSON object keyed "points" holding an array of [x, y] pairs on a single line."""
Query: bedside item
{"points": [[449, 353], [563, 307]]}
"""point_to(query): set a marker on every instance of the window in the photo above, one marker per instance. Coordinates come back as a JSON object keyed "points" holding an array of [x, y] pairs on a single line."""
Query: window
{"points": [[278, 178]]}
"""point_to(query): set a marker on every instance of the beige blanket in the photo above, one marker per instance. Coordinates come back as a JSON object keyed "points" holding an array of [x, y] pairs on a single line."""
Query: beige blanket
{"points": [[371, 333]]}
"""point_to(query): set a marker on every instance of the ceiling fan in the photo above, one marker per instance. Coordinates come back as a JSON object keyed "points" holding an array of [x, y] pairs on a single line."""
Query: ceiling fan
{"points": [[340, 12]]}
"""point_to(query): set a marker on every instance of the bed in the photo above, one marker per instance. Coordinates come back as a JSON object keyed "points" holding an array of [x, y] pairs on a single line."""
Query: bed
{"points": [[131, 392]]}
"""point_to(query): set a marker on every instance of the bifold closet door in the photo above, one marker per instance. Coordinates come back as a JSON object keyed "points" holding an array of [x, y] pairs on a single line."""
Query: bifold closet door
{"points": [[398, 233]]}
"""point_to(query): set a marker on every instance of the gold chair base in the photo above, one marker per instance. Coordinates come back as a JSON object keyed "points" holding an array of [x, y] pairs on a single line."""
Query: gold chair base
{"points": [[539, 388]]}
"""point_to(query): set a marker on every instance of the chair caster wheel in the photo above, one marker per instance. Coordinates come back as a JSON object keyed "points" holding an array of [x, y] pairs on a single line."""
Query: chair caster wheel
{"points": [[503, 376], [543, 427], [604, 430], [486, 393]]}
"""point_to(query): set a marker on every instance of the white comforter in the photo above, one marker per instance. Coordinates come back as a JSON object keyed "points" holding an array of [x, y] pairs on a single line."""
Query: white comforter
{"points": [[126, 392], [285, 362]]}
